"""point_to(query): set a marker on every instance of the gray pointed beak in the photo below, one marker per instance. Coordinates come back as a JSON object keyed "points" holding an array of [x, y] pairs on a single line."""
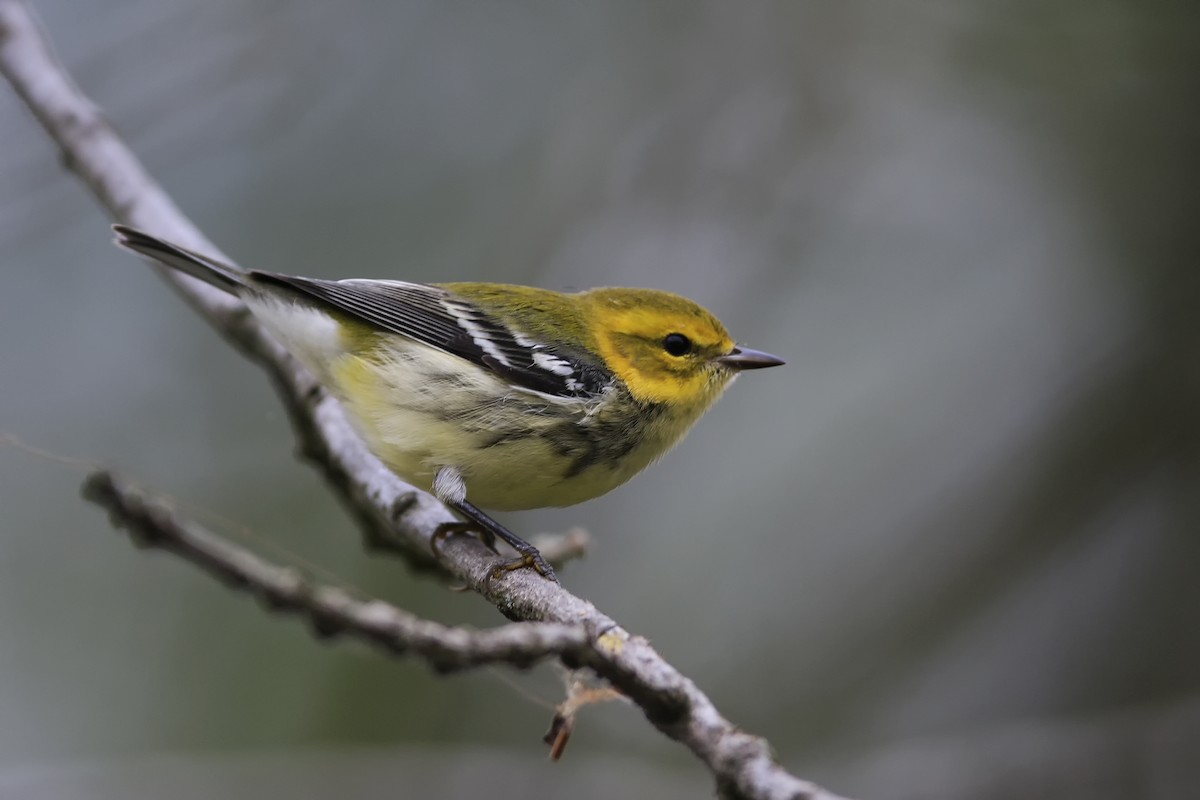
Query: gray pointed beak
{"points": [[740, 358]]}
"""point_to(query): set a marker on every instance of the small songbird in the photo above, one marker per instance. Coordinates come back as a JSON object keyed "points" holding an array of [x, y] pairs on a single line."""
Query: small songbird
{"points": [[508, 397]]}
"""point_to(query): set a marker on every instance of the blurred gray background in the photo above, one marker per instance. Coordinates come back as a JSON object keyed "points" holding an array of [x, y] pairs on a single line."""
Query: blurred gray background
{"points": [[949, 551]]}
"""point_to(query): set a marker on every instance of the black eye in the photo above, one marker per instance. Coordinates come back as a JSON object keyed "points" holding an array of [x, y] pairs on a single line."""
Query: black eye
{"points": [[677, 344]]}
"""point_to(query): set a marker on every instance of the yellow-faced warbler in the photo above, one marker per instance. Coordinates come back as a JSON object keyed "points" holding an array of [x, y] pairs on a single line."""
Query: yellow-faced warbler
{"points": [[508, 397]]}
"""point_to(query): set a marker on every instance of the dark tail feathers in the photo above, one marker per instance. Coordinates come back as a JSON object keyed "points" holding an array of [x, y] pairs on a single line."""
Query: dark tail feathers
{"points": [[223, 276]]}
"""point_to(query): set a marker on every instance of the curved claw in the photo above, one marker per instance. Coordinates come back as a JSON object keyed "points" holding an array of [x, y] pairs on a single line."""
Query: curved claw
{"points": [[447, 529], [533, 560]]}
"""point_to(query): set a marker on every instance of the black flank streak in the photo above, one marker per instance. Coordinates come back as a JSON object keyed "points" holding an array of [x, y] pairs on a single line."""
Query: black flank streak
{"points": [[601, 442]]}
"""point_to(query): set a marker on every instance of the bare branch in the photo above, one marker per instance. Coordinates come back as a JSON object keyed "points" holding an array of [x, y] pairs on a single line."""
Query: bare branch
{"points": [[331, 611], [392, 514]]}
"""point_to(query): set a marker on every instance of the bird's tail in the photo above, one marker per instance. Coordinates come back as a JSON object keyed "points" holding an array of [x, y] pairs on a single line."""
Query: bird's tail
{"points": [[223, 276]]}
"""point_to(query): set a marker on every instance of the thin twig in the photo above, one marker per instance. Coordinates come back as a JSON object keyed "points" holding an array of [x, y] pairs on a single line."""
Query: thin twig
{"points": [[332, 611], [392, 515]]}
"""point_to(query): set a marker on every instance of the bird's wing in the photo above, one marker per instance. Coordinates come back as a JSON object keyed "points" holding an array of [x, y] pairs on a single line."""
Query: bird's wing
{"points": [[436, 317]]}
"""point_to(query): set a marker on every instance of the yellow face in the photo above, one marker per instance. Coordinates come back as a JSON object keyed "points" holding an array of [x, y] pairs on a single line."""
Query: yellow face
{"points": [[663, 346]]}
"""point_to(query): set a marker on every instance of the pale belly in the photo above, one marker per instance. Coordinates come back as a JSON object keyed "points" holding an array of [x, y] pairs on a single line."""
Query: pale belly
{"points": [[514, 449], [505, 477]]}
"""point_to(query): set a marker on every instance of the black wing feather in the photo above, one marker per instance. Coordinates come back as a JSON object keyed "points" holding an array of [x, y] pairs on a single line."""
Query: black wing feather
{"points": [[432, 315]]}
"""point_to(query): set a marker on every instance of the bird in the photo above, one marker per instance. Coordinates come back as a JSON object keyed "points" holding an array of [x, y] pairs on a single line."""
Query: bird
{"points": [[493, 395]]}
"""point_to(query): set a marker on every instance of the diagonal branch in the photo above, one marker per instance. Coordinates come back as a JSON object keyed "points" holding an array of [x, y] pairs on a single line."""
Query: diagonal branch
{"points": [[332, 611], [391, 514]]}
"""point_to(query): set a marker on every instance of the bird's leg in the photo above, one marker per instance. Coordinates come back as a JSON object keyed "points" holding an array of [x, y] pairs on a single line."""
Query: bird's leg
{"points": [[489, 530], [450, 487]]}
